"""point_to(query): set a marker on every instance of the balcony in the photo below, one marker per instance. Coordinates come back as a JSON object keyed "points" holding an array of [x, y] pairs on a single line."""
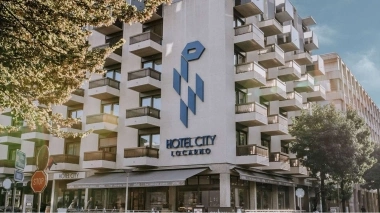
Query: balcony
{"points": [[296, 169], [277, 125], [64, 162], [249, 38], [274, 90], [270, 27], [304, 84], [290, 72], [7, 166], [250, 75], [77, 97], [99, 160], [293, 102], [141, 157], [104, 88], [311, 41], [251, 114], [145, 44], [278, 161], [144, 80], [142, 117], [102, 123], [319, 94], [248, 8], [30, 165], [74, 128], [284, 10], [289, 41], [308, 21], [141, 6], [271, 56], [318, 66], [10, 138], [113, 58], [300, 58], [116, 27], [40, 134], [252, 155]]}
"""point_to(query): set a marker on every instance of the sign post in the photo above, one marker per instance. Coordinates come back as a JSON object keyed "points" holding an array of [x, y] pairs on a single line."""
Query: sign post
{"points": [[20, 163], [39, 178], [300, 193]]}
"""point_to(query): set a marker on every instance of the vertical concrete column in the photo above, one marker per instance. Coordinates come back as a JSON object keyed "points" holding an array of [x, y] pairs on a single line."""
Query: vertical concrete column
{"points": [[275, 196], [292, 198], [52, 198], [86, 198], [252, 196], [225, 190], [172, 198], [237, 199]]}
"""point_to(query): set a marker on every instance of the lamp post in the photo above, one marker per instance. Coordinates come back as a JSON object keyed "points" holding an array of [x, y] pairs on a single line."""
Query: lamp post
{"points": [[128, 171]]}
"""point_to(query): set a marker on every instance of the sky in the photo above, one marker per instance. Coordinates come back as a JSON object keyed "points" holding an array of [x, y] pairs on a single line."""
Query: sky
{"points": [[350, 28]]}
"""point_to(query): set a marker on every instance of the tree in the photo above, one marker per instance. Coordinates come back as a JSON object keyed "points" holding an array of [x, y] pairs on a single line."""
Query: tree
{"points": [[327, 142], [371, 176], [45, 55]]}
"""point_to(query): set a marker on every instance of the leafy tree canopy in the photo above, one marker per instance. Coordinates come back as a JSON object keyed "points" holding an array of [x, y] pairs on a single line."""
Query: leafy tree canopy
{"points": [[45, 54]]}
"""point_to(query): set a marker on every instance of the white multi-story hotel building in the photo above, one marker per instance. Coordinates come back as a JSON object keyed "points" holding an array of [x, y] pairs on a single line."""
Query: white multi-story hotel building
{"points": [[193, 112]]}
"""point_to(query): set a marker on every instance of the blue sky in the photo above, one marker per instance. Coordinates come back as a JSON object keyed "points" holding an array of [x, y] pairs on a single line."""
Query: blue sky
{"points": [[350, 28]]}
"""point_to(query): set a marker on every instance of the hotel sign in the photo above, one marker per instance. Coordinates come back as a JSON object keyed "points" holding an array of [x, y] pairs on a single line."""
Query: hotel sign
{"points": [[191, 146], [69, 175]]}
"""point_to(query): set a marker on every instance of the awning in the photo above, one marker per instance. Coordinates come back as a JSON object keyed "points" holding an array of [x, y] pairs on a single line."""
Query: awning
{"points": [[136, 179], [264, 178]]}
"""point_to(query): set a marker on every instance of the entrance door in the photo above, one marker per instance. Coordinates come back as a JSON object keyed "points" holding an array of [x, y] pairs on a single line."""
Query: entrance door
{"points": [[137, 199]]}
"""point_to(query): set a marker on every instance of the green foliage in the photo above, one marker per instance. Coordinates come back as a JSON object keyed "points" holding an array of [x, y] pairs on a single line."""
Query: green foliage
{"points": [[371, 176], [45, 54]]}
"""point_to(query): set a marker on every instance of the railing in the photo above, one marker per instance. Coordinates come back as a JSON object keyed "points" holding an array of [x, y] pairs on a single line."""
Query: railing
{"points": [[248, 28], [30, 161], [99, 118], [320, 88], [294, 162], [274, 83], [79, 92], [143, 111], [63, 158], [251, 149], [40, 129], [277, 119], [294, 95], [99, 155], [117, 23], [144, 37], [310, 37], [104, 82], [250, 107], [141, 152], [308, 78], [147, 72], [7, 163], [278, 157], [11, 134], [291, 64], [250, 67], [77, 126], [272, 48]]}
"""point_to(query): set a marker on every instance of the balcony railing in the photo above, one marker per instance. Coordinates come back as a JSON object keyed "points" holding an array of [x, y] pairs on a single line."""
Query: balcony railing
{"points": [[79, 92], [144, 37], [294, 162], [64, 158], [308, 78], [291, 64], [278, 157], [275, 83], [248, 28], [147, 72], [143, 111], [277, 119], [30, 161], [250, 107], [99, 155], [7, 163], [272, 48], [104, 82], [141, 152], [319, 88], [37, 129], [294, 95], [99, 118], [251, 149], [250, 67], [11, 134]]}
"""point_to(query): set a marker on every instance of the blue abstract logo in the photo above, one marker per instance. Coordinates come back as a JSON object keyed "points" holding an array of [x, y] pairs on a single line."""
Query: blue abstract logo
{"points": [[192, 51]]}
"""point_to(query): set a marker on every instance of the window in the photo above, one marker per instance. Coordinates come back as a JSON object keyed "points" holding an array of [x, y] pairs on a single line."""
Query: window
{"points": [[111, 108], [238, 21], [72, 148], [152, 101], [149, 140], [241, 96], [114, 74], [108, 144], [155, 64], [239, 57], [265, 140], [155, 27], [76, 113], [284, 147], [12, 152], [241, 137]]}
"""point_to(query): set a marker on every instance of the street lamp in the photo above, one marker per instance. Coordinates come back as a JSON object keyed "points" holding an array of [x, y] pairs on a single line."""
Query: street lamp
{"points": [[128, 171]]}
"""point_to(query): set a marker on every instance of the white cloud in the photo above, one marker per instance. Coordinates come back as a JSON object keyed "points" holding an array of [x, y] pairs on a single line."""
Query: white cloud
{"points": [[326, 34]]}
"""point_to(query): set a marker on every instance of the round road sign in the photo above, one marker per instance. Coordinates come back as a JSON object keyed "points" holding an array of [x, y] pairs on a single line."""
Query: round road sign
{"points": [[7, 183], [42, 158], [39, 181], [300, 192]]}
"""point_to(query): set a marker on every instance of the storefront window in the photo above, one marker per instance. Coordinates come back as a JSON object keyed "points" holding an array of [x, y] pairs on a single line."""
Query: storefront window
{"points": [[283, 197], [239, 193], [264, 196], [149, 198]]}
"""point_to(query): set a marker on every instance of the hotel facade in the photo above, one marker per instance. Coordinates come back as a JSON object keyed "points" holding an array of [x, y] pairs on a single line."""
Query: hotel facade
{"points": [[194, 112]]}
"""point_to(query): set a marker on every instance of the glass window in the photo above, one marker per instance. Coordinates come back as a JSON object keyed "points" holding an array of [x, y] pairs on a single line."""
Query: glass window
{"points": [[238, 22], [73, 148], [77, 113], [192, 180], [241, 97], [152, 101], [12, 153], [241, 138], [239, 58], [203, 180], [144, 141], [114, 74], [146, 101], [111, 108], [152, 141], [154, 64], [156, 141]]}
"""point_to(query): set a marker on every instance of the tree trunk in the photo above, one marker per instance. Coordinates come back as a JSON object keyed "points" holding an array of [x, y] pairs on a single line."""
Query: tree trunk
{"points": [[323, 194], [378, 198], [342, 195]]}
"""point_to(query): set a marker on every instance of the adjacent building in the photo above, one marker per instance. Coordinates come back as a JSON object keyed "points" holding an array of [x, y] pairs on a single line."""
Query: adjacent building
{"points": [[193, 112]]}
